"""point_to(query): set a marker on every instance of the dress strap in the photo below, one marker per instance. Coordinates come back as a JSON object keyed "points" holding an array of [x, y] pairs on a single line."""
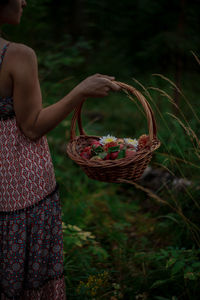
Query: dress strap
{"points": [[3, 51]]}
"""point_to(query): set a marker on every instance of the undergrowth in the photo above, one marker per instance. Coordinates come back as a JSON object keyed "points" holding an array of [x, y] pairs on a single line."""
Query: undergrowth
{"points": [[129, 241]]}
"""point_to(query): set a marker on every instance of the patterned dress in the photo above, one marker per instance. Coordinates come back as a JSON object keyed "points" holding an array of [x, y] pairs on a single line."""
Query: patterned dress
{"points": [[31, 244]]}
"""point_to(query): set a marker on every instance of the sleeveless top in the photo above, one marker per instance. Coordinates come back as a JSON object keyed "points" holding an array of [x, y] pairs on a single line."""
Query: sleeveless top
{"points": [[26, 169]]}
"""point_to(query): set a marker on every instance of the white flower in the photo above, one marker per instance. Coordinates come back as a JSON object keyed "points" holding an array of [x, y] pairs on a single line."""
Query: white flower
{"points": [[107, 139], [132, 142]]}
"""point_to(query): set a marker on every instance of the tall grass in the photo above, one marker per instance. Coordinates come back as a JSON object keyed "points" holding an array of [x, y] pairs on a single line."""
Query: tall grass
{"points": [[127, 241], [181, 162]]}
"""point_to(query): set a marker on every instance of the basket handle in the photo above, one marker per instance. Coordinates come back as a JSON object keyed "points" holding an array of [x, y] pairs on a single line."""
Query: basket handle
{"points": [[147, 108]]}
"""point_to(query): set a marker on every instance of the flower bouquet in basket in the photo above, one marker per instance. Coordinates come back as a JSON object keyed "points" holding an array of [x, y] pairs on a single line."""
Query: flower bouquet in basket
{"points": [[112, 159], [109, 147]]}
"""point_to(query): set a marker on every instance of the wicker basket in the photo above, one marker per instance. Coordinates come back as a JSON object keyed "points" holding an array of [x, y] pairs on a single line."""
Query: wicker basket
{"points": [[113, 170]]}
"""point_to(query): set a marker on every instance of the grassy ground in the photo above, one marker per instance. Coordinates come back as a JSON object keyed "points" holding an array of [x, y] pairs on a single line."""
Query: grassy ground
{"points": [[123, 241]]}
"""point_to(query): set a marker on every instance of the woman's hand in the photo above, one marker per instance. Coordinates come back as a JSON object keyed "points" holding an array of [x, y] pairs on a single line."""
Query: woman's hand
{"points": [[96, 86], [34, 120]]}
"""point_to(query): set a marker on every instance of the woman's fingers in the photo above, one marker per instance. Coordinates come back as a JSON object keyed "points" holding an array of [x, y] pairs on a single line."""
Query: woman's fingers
{"points": [[113, 86], [106, 89], [98, 85], [106, 76]]}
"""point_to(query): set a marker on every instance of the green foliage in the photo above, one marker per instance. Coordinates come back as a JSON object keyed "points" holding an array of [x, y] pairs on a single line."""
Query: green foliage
{"points": [[63, 58], [175, 270], [121, 231]]}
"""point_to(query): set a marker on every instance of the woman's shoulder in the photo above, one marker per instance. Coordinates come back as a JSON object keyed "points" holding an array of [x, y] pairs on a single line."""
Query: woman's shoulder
{"points": [[20, 51], [21, 59]]}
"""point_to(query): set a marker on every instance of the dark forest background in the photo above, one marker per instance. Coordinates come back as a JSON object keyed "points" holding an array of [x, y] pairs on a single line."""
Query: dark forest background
{"points": [[132, 37], [126, 241]]}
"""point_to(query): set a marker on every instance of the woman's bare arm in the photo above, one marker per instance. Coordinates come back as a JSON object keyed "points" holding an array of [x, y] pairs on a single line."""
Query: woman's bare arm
{"points": [[34, 120]]}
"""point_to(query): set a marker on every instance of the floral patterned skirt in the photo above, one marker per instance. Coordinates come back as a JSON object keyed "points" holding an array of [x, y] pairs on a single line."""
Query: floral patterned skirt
{"points": [[31, 252]]}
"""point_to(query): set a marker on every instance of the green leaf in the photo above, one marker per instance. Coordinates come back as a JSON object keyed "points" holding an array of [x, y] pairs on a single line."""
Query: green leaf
{"points": [[188, 269], [196, 265], [178, 266], [164, 252], [97, 150], [121, 154], [100, 252], [159, 283], [170, 262], [113, 149], [102, 155]]}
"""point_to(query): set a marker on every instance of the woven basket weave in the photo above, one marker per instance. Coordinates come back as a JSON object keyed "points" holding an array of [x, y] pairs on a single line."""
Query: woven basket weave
{"points": [[127, 168]]}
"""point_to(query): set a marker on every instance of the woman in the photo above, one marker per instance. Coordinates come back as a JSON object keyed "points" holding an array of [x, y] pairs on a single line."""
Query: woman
{"points": [[31, 246]]}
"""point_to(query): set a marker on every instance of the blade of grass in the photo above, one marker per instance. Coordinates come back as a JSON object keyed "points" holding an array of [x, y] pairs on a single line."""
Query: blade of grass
{"points": [[179, 91], [194, 229]]}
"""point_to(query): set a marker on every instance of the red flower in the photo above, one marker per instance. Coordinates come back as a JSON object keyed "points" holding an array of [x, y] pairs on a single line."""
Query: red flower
{"points": [[86, 152], [95, 142], [85, 155], [113, 155], [107, 156], [130, 153], [109, 145], [143, 141]]}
